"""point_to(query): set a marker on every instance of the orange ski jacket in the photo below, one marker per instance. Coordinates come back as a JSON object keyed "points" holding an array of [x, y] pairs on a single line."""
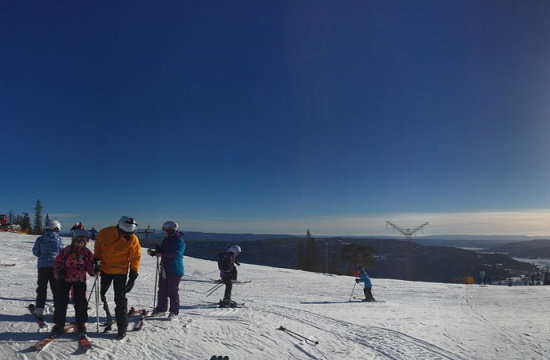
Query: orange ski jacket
{"points": [[115, 252]]}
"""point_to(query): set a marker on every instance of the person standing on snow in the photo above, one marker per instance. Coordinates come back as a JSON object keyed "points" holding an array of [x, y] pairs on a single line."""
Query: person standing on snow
{"points": [[228, 273], [365, 279], [46, 248], [116, 251], [93, 233], [171, 270], [70, 268]]}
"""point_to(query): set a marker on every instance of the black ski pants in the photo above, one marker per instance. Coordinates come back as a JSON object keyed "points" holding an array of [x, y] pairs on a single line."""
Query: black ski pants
{"points": [[228, 287], [121, 302], [62, 301], [45, 276], [368, 294]]}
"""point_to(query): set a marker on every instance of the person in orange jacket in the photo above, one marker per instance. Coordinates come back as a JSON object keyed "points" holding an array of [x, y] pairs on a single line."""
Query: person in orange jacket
{"points": [[116, 251]]}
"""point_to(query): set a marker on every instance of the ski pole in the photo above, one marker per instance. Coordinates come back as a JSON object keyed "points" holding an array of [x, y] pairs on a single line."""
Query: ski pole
{"points": [[97, 302], [282, 328], [216, 287], [156, 282], [91, 291], [352, 291]]}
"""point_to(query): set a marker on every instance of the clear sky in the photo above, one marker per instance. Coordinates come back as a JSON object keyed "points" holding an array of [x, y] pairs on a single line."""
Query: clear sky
{"points": [[279, 116]]}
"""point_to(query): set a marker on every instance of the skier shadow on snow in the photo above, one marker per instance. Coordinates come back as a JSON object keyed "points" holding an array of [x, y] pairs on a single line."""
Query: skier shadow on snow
{"points": [[20, 336]]}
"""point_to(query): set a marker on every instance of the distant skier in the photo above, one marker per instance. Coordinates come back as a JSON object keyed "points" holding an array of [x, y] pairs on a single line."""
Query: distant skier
{"points": [[365, 279], [228, 273], [46, 248], [93, 233], [171, 251], [70, 268], [77, 225]]}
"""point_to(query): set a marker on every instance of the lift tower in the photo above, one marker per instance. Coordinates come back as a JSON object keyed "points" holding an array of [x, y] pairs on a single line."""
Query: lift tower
{"points": [[407, 232]]}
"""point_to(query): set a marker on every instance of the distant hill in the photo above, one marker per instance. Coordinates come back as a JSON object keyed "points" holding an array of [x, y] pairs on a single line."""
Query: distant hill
{"points": [[394, 259], [533, 249]]}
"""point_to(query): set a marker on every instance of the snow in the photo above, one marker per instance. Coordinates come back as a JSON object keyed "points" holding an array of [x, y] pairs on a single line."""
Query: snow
{"points": [[413, 320]]}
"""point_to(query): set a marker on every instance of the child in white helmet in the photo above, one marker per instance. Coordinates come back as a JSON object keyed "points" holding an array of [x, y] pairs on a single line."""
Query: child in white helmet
{"points": [[228, 273], [171, 253]]}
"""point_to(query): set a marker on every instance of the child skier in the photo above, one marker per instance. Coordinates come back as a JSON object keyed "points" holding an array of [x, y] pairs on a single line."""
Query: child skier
{"points": [[70, 268], [46, 248], [171, 252], [365, 279], [228, 273]]}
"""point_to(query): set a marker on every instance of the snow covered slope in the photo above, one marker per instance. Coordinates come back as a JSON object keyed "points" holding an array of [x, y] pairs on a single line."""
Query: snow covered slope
{"points": [[414, 320]]}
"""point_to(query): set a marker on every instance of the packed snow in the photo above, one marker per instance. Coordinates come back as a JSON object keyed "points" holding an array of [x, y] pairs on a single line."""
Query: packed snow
{"points": [[410, 320]]}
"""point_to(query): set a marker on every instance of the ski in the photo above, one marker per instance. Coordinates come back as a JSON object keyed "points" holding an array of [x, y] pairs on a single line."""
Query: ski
{"points": [[236, 282], [231, 305], [363, 300], [133, 311], [85, 343], [42, 344], [141, 321], [41, 323]]}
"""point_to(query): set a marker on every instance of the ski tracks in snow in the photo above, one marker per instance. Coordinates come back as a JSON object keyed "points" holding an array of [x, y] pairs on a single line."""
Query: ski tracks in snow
{"points": [[383, 343]]}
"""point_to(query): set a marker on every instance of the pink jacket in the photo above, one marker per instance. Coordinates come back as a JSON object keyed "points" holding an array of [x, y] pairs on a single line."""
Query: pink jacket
{"points": [[72, 264]]}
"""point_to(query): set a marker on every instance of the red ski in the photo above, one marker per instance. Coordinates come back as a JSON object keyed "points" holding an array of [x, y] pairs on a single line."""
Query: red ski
{"points": [[85, 343], [42, 344]]}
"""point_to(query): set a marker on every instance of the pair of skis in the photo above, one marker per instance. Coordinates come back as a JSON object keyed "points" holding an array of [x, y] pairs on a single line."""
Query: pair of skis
{"points": [[83, 340]]}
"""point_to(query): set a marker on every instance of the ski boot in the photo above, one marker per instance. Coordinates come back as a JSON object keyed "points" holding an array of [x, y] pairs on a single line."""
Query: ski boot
{"points": [[57, 330]]}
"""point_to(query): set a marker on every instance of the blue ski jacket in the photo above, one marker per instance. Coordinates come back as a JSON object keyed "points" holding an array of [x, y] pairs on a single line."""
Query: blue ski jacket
{"points": [[172, 250], [46, 247], [364, 278]]}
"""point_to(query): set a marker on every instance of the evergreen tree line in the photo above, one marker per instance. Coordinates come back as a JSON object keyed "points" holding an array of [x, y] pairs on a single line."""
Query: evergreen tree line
{"points": [[343, 262], [34, 227]]}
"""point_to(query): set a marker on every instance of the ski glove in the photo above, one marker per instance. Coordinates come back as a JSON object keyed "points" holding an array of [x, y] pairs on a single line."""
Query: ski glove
{"points": [[357, 281], [131, 279], [96, 266]]}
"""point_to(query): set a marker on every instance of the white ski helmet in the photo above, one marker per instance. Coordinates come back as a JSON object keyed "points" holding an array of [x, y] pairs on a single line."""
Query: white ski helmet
{"points": [[127, 224], [235, 249], [170, 225], [80, 233], [53, 225]]}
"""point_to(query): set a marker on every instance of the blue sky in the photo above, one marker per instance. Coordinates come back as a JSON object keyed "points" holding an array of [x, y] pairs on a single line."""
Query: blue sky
{"points": [[282, 116]]}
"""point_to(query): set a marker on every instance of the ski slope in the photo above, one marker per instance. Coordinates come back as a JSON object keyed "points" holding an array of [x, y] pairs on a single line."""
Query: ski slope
{"points": [[414, 320]]}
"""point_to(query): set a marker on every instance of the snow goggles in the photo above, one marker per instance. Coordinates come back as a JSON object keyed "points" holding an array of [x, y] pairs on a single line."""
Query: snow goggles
{"points": [[81, 240], [131, 221]]}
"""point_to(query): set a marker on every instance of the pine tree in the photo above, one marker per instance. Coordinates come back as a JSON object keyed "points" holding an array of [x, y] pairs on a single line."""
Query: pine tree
{"points": [[25, 223], [357, 255], [37, 230], [307, 254]]}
